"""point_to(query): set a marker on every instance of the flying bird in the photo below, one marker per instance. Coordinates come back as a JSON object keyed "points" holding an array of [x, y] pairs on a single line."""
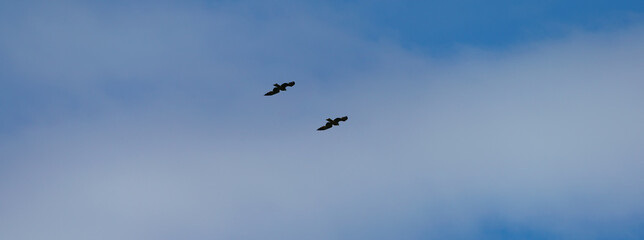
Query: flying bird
{"points": [[331, 122], [279, 88]]}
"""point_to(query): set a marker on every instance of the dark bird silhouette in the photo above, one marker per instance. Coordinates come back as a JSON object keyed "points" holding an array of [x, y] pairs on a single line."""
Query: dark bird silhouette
{"points": [[331, 122], [279, 88]]}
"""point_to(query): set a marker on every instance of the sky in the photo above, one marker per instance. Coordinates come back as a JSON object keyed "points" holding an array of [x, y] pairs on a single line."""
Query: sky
{"points": [[466, 120]]}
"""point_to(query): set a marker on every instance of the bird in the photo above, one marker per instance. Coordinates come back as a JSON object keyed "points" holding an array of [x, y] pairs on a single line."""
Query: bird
{"points": [[331, 122], [279, 88]]}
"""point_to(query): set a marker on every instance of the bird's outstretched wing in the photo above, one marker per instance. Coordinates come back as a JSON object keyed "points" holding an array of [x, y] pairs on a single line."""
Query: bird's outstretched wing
{"points": [[325, 127], [289, 84], [275, 90], [337, 120]]}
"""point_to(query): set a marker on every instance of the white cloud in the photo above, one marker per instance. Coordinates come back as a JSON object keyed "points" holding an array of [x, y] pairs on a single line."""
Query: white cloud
{"points": [[547, 136]]}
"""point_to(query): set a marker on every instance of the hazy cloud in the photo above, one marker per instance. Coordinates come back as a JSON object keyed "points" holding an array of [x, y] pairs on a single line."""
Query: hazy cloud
{"points": [[155, 127]]}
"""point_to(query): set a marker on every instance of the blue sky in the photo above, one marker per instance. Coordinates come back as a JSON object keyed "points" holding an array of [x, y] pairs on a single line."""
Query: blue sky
{"points": [[467, 120], [438, 26]]}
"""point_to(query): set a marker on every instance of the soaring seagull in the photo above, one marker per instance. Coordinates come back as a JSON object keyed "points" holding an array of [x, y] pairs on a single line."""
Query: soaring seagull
{"points": [[279, 88], [331, 122]]}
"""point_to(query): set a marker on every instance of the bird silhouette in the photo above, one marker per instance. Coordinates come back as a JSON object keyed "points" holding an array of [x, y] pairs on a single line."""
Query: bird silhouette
{"points": [[331, 122], [279, 88]]}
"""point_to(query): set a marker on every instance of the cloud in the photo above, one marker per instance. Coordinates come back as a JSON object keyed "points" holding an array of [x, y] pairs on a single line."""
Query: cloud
{"points": [[173, 138]]}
